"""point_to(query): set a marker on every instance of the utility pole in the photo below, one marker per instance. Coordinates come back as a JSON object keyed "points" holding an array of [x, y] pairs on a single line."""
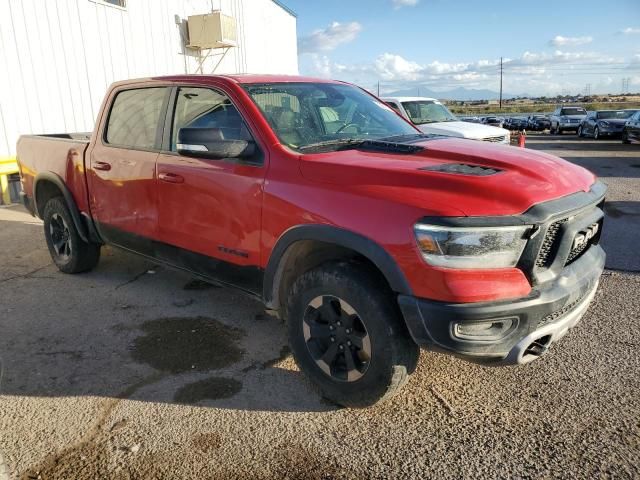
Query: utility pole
{"points": [[500, 83]]}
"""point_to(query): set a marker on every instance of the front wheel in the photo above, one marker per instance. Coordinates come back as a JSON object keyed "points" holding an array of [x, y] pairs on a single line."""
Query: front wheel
{"points": [[347, 335], [580, 132], [625, 137], [596, 133], [68, 251]]}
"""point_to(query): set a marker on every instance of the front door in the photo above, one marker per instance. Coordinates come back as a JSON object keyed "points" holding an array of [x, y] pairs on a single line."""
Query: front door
{"points": [[210, 207], [122, 168]]}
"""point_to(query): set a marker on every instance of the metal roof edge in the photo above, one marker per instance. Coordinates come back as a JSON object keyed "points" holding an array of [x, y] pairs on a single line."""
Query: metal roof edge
{"points": [[285, 8]]}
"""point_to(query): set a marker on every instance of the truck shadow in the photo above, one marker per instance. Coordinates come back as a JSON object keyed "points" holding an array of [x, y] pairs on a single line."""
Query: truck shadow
{"points": [[134, 330]]}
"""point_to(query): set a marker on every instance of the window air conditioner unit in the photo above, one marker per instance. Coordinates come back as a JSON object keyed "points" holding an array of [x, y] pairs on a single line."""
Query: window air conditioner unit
{"points": [[212, 30]]}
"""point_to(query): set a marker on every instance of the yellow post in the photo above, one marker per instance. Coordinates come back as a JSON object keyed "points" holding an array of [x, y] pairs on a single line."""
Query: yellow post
{"points": [[7, 167]]}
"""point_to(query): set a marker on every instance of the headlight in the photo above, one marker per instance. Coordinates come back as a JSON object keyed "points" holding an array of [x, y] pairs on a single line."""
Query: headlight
{"points": [[604, 124], [471, 247]]}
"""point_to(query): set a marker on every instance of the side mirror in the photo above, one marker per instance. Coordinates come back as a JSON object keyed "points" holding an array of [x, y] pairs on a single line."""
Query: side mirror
{"points": [[209, 143]]}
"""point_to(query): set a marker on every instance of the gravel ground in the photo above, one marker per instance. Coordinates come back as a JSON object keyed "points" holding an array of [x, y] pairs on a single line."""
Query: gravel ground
{"points": [[136, 371]]}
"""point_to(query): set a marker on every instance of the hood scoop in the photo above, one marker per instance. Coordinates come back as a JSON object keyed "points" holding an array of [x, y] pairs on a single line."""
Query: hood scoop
{"points": [[463, 169]]}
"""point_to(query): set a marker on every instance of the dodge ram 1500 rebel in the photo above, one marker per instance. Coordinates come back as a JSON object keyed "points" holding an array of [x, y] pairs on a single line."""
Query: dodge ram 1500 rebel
{"points": [[370, 238]]}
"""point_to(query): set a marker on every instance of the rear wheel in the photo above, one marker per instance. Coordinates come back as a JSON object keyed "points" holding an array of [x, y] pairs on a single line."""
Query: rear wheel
{"points": [[347, 335], [69, 252]]}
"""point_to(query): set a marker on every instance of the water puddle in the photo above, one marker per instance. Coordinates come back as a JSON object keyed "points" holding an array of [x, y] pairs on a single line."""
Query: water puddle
{"points": [[178, 345]]}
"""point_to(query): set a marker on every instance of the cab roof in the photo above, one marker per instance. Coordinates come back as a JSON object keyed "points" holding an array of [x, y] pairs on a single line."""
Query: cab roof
{"points": [[247, 78]]}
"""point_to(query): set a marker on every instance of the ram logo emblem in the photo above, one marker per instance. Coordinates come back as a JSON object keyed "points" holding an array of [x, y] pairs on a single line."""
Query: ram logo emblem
{"points": [[583, 238]]}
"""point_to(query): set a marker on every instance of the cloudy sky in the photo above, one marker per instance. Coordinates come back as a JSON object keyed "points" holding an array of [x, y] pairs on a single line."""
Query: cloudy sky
{"points": [[549, 46]]}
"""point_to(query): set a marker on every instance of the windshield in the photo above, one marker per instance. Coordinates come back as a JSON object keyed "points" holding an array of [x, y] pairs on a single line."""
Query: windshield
{"points": [[573, 111], [616, 114], [307, 114], [428, 111]]}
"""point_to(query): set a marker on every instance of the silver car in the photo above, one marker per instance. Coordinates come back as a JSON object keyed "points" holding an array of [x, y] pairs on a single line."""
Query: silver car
{"points": [[566, 118]]}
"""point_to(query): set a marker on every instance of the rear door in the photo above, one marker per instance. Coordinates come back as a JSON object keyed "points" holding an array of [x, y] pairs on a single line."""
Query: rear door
{"points": [[122, 166], [210, 207]]}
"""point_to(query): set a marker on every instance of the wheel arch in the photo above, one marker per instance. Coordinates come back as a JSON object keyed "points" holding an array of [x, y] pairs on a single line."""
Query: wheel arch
{"points": [[48, 185], [304, 247]]}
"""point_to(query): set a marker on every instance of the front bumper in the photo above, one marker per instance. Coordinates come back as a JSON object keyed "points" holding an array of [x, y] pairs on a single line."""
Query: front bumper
{"points": [[537, 320], [611, 130]]}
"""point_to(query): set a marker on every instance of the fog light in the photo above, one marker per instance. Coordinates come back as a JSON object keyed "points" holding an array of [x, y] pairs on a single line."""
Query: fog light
{"points": [[488, 330]]}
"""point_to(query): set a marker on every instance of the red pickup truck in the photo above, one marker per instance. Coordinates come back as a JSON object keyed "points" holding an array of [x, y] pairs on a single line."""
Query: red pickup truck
{"points": [[370, 238]]}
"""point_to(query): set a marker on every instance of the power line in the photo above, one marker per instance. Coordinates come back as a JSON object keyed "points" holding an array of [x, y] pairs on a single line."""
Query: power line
{"points": [[501, 71]]}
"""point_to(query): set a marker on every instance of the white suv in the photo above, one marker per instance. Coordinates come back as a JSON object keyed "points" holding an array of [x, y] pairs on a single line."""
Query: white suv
{"points": [[431, 116]]}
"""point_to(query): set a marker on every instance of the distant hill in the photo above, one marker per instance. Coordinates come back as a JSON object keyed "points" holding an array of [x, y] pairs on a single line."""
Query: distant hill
{"points": [[459, 93]]}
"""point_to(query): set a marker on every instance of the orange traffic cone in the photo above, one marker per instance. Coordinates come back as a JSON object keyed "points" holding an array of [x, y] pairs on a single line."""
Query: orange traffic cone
{"points": [[522, 138]]}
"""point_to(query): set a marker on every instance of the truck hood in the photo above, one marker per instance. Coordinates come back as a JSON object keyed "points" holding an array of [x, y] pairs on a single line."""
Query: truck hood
{"points": [[523, 177], [475, 131]]}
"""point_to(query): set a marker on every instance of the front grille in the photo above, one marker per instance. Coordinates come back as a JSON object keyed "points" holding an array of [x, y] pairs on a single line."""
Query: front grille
{"points": [[577, 251], [498, 139], [549, 244], [552, 317]]}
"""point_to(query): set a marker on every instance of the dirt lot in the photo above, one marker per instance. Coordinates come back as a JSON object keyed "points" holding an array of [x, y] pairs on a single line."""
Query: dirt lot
{"points": [[137, 371]]}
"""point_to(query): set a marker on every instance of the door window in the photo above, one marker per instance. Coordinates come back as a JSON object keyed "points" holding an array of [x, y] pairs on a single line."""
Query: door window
{"points": [[206, 108], [135, 117]]}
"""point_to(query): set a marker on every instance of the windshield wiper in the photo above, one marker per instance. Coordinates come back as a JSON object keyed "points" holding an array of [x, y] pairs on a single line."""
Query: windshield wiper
{"points": [[386, 146], [404, 137], [340, 143]]}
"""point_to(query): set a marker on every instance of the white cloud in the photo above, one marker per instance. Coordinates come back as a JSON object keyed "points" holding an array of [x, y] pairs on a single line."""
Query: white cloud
{"points": [[327, 39], [560, 41], [630, 31], [531, 72], [404, 3]]}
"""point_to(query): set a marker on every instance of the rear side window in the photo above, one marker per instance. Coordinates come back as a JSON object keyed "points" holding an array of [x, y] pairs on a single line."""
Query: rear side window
{"points": [[135, 117]]}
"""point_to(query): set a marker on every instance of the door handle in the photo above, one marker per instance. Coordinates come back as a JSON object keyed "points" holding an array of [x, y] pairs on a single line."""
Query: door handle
{"points": [[170, 177], [102, 166]]}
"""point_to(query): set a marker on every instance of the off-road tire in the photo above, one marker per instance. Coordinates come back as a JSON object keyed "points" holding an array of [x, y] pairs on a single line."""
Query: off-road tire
{"points": [[82, 256], [394, 355]]}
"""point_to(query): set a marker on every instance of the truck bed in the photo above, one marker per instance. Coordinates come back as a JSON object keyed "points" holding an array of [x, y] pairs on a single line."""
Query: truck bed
{"points": [[61, 154]]}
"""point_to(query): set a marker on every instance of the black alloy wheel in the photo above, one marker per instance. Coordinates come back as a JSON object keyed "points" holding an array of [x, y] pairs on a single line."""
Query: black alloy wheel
{"points": [[60, 237], [337, 338]]}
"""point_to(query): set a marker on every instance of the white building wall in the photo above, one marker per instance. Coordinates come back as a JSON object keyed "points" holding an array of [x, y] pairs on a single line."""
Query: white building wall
{"points": [[57, 57]]}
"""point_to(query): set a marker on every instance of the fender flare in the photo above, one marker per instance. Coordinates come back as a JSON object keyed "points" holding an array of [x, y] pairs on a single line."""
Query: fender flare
{"points": [[68, 198], [337, 236]]}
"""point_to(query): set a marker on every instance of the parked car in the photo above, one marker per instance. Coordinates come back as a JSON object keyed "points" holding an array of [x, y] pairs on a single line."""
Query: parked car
{"points": [[367, 236], [517, 123], [431, 116], [631, 130], [566, 119], [538, 123], [604, 123], [495, 121]]}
